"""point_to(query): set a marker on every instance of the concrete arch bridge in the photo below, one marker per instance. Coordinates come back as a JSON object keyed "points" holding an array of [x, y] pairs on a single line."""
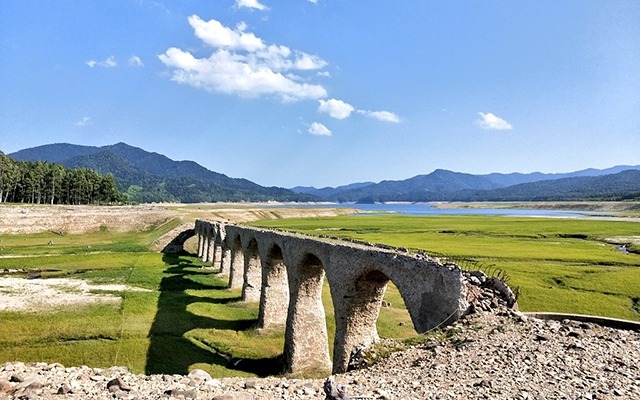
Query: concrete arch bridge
{"points": [[284, 272]]}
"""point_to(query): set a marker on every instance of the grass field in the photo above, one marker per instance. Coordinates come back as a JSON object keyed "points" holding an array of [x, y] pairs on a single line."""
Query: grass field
{"points": [[559, 264], [188, 319]]}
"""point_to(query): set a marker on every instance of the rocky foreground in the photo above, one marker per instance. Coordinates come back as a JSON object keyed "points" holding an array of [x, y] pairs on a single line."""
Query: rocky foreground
{"points": [[502, 355]]}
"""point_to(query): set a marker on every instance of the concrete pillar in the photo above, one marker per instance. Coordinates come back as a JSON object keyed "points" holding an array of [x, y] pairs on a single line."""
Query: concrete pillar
{"points": [[225, 262], [211, 248], [200, 238], [274, 300], [305, 343], [236, 273], [205, 247], [252, 285], [356, 316], [215, 254]]}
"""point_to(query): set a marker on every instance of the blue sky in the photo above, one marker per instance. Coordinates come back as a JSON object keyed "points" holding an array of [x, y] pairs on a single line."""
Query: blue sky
{"points": [[328, 92]]}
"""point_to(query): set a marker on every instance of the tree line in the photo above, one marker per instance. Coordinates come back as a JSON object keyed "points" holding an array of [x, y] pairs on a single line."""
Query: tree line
{"points": [[42, 182]]}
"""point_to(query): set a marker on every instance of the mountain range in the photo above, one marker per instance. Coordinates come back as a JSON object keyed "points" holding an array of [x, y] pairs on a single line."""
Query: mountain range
{"points": [[149, 177], [617, 183], [153, 177]]}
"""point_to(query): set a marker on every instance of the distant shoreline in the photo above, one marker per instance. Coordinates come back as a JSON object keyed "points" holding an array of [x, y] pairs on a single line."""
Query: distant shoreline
{"points": [[596, 206]]}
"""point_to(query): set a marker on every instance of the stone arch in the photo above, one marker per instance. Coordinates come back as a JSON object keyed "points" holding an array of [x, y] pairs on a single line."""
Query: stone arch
{"points": [[252, 282], [176, 245], [356, 316], [236, 273], [306, 340], [274, 300]]}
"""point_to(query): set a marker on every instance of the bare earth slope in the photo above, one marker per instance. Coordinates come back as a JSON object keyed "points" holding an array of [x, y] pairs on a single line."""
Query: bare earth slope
{"points": [[78, 219]]}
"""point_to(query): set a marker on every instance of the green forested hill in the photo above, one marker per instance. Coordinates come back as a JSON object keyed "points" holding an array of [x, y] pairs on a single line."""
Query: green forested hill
{"points": [[43, 182], [149, 177]]}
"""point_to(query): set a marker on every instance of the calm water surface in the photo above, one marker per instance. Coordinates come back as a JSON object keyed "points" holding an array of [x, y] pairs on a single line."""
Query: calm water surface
{"points": [[428, 209]]}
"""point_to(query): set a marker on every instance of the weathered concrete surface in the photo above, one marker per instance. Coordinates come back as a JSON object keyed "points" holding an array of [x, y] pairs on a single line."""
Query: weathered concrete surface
{"points": [[286, 271]]}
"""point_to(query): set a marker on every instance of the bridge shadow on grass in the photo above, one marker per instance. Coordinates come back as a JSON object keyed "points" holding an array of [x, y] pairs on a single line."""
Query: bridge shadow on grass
{"points": [[170, 350]]}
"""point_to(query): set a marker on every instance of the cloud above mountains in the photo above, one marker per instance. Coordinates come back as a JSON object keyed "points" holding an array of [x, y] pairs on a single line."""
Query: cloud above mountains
{"points": [[338, 109], [491, 121], [243, 64], [251, 4], [109, 62], [112, 62]]}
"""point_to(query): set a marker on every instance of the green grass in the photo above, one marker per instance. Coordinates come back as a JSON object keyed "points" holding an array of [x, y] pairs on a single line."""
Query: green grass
{"points": [[188, 319], [560, 265]]}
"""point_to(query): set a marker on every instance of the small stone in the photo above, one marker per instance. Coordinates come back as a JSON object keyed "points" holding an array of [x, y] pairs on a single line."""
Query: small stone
{"points": [[64, 389], [251, 384], [118, 384], [6, 387], [198, 374], [187, 394]]}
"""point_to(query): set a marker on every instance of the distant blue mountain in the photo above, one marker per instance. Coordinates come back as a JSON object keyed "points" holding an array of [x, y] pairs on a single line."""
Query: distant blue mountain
{"points": [[517, 178], [443, 185], [328, 192]]}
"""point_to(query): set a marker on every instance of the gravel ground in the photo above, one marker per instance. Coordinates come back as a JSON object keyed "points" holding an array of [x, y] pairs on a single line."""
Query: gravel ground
{"points": [[488, 355]]}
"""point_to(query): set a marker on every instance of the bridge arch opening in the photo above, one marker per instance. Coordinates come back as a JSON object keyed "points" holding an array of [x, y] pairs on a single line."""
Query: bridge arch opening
{"points": [[372, 300], [236, 273], [274, 300], [252, 282], [306, 340]]}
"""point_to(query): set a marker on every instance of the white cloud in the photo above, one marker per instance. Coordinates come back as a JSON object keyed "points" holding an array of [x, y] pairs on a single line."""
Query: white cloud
{"points": [[253, 4], [216, 35], [85, 121], [318, 129], [491, 121], [385, 116], [109, 62], [242, 64], [336, 108], [313, 1], [135, 61]]}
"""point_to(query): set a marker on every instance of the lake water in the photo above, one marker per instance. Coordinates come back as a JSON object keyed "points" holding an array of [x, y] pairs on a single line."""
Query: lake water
{"points": [[428, 209]]}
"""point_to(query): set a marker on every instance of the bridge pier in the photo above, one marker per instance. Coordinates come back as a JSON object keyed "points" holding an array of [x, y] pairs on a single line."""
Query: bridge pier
{"points": [[274, 300], [199, 231], [306, 346], [225, 261], [252, 277], [356, 316], [210, 247], [236, 273]]}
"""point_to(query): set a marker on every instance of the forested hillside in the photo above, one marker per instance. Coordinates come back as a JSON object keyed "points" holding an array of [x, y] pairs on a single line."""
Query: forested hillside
{"points": [[39, 182], [151, 177]]}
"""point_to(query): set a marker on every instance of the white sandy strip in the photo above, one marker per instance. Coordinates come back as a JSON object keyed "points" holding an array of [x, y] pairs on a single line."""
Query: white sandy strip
{"points": [[31, 295]]}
